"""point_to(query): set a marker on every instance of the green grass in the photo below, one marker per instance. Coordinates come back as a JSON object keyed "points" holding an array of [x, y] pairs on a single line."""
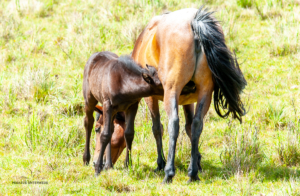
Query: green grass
{"points": [[43, 48]]}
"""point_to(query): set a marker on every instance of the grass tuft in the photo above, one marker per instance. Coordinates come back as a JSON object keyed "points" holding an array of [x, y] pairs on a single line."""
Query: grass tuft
{"points": [[241, 149], [43, 87], [245, 3], [275, 115], [288, 146]]}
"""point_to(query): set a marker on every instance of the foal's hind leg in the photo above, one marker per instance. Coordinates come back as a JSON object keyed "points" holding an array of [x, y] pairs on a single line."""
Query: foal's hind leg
{"points": [[129, 132], [189, 115], [88, 124], [157, 131]]}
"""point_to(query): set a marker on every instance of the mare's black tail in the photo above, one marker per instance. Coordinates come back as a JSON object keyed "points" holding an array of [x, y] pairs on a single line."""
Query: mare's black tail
{"points": [[228, 78]]}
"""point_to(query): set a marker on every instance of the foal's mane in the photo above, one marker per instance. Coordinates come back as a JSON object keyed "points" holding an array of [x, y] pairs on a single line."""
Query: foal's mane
{"points": [[131, 65]]}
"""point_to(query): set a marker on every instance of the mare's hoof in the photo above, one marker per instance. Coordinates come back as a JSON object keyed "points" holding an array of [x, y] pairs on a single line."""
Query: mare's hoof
{"points": [[97, 174], [199, 165], [200, 168], [167, 180], [193, 179], [159, 168]]}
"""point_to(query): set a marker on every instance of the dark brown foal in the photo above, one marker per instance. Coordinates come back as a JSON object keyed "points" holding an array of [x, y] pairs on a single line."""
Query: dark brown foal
{"points": [[119, 84]]}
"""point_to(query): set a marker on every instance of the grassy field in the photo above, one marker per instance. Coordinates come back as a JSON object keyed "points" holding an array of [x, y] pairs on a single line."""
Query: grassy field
{"points": [[43, 48]]}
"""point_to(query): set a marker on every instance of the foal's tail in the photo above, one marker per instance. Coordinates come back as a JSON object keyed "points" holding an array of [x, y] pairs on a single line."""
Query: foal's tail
{"points": [[228, 78]]}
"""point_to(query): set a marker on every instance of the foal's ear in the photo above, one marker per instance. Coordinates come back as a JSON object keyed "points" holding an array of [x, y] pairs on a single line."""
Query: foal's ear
{"points": [[147, 78], [147, 66]]}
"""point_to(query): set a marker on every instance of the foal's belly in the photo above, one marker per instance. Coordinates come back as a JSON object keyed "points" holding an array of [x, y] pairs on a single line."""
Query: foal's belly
{"points": [[183, 99]]}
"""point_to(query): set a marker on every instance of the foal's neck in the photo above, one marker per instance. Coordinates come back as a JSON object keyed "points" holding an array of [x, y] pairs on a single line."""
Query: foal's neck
{"points": [[143, 88]]}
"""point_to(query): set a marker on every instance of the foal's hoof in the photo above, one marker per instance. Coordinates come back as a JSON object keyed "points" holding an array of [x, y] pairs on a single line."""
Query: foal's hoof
{"points": [[86, 159], [193, 179], [167, 180], [98, 170], [86, 162], [107, 167]]}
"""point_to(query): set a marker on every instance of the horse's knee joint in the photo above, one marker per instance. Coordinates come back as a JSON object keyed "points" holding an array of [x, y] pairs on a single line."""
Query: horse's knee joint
{"points": [[188, 126], [156, 130], [88, 120], [196, 122], [105, 137], [175, 120]]}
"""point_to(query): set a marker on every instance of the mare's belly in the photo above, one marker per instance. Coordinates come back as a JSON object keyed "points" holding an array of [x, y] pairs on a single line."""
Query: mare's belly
{"points": [[183, 99]]}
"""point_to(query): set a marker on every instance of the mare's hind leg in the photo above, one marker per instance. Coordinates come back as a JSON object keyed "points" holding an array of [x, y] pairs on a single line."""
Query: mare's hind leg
{"points": [[129, 132], [189, 115], [105, 135], [157, 131], [88, 124], [171, 106], [197, 126]]}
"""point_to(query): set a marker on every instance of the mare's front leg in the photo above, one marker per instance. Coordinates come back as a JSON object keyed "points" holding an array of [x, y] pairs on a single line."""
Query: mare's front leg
{"points": [[189, 115], [197, 126], [129, 132], [157, 131], [88, 125], [105, 135]]}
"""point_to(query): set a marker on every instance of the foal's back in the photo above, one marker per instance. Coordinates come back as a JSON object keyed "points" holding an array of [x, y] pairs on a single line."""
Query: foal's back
{"points": [[96, 67]]}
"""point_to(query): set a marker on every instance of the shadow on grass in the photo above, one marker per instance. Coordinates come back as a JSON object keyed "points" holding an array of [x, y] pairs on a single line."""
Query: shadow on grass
{"points": [[142, 172], [275, 173], [211, 171], [266, 173]]}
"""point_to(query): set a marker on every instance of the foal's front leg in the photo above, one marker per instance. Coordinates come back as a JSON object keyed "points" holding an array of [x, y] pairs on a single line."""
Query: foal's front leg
{"points": [[105, 135], [108, 160], [129, 132]]}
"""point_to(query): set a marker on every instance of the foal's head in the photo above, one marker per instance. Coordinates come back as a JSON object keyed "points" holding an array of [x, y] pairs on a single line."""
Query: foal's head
{"points": [[117, 141], [150, 75]]}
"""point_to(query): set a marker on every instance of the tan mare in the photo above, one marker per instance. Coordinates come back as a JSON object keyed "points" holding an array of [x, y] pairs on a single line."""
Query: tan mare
{"points": [[185, 46]]}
